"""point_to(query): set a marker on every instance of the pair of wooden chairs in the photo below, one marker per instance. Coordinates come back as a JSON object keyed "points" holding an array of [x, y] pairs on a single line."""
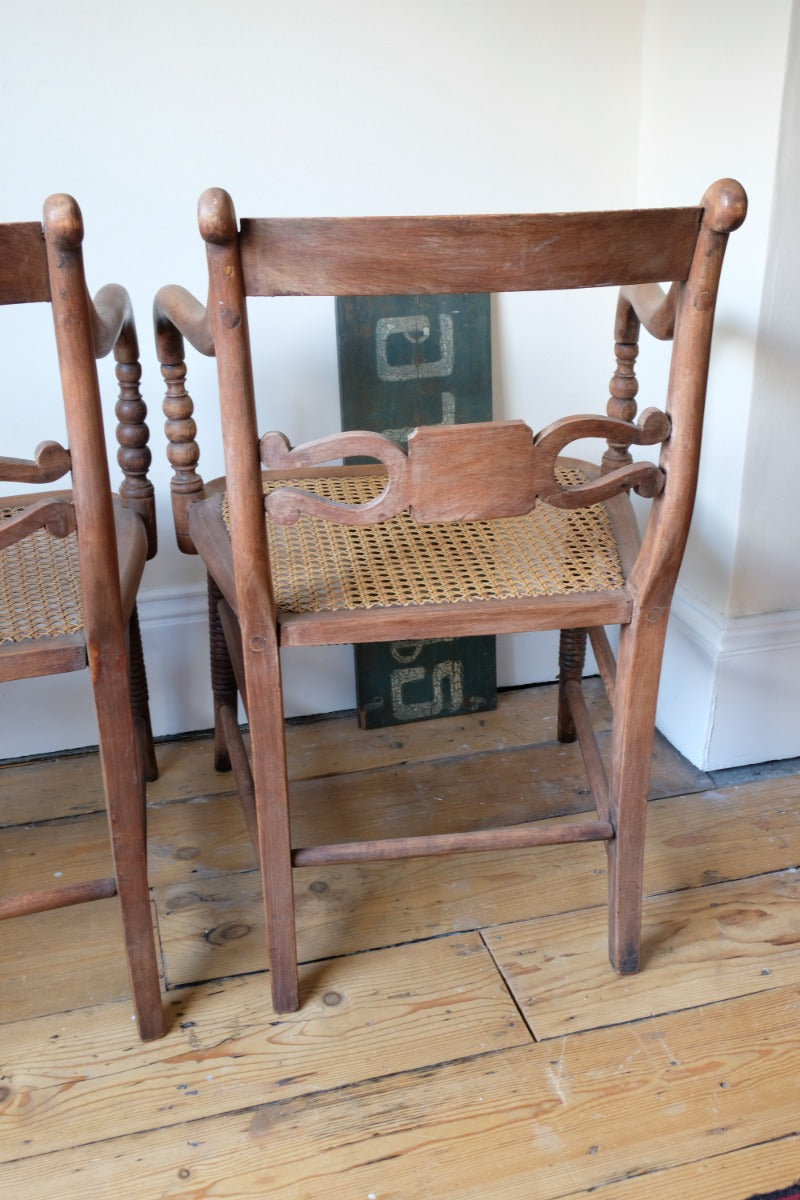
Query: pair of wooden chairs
{"points": [[472, 529]]}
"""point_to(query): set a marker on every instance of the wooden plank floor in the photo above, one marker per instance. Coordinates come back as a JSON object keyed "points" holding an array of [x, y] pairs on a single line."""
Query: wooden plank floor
{"points": [[461, 1034]]}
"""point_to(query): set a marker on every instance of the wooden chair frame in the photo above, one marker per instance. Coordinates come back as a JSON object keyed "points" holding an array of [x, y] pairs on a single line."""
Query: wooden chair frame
{"points": [[637, 251], [115, 535]]}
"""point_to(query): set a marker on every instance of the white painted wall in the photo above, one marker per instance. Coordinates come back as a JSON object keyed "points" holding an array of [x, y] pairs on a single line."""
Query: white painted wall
{"points": [[364, 107], [720, 94], [309, 108]]}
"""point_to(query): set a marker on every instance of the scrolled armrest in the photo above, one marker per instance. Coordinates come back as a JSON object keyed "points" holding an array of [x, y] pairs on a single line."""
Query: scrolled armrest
{"points": [[649, 305], [177, 314], [50, 461], [113, 326], [286, 504], [57, 516]]}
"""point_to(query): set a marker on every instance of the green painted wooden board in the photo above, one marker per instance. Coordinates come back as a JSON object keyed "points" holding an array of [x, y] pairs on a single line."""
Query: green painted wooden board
{"points": [[406, 361]]}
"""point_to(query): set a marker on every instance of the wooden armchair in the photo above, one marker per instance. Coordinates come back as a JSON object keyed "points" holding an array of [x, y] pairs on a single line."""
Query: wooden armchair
{"points": [[71, 561], [476, 529]]}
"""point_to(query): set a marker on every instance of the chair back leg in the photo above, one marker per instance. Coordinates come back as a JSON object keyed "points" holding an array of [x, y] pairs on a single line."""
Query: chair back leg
{"points": [[140, 699], [571, 655], [125, 805], [223, 679], [636, 692]]}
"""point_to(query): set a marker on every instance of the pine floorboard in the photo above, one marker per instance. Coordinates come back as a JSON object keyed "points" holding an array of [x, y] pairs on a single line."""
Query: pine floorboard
{"points": [[461, 1033]]}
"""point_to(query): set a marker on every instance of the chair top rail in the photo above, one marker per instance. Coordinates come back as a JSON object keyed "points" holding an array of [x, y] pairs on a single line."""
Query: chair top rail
{"points": [[495, 253], [24, 277]]}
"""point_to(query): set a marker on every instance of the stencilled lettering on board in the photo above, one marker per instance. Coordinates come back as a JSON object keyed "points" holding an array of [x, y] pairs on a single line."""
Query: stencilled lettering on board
{"points": [[406, 361], [444, 683], [416, 330]]}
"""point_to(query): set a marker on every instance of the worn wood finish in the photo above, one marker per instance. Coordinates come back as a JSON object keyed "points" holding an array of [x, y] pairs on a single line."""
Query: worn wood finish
{"points": [[24, 278], [114, 537], [403, 1027], [27, 659], [410, 1071], [749, 926], [56, 516], [211, 924], [543, 1121], [26, 903], [766, 1166], [508, 838], [233, 1153], [441, 619], [452, 620], [50, 462], [32, 657], [315, 748], [452, 473], [426, 255]]}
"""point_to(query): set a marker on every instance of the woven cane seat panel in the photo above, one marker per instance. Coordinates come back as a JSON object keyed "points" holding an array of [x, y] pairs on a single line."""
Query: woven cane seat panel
{"points": [[320, 566], [40, 592]]}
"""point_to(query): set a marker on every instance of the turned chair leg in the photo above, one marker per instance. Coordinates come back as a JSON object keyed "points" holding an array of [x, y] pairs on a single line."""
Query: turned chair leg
{"points": [[223, 679], [571, 655], [140, 699]]}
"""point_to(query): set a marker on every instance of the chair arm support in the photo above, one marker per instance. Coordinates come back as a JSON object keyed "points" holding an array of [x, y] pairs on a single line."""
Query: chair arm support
{"points": [[177, 314], [114, 328], [638, 304]]}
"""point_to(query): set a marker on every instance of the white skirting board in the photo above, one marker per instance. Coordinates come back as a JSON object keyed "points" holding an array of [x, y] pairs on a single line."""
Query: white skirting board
{"points": [[730, 690], [730, 693], [40, 716]]}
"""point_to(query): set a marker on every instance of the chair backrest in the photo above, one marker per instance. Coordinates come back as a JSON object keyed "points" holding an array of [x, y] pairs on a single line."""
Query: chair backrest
{"points": [[460, 472], [44, 263]]}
